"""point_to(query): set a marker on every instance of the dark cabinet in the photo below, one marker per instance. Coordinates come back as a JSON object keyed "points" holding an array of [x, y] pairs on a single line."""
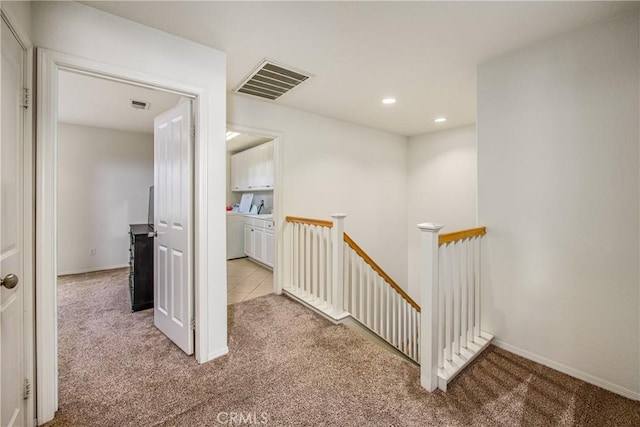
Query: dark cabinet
{"points": [[140, 266]]}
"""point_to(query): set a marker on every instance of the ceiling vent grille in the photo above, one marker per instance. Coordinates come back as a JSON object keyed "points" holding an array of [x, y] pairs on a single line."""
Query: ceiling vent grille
{"points": [[271, 81], [140, 105]]}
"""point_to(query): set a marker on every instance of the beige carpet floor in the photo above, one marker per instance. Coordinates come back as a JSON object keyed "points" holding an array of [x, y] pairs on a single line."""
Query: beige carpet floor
{"points": [[289, 367]]}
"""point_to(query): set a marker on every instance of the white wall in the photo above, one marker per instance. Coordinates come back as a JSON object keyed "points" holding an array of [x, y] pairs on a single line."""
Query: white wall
{"points": [[85, 32], [104, 177], [441, 182], [558, 176], [334, 166], [19, 12]]}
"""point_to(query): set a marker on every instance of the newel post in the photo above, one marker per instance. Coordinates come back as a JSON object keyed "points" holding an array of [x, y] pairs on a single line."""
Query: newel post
{"points": [[429, 305], [337, 264]]}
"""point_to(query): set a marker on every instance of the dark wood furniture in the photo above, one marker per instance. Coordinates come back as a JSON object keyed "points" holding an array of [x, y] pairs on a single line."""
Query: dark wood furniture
{"points": [[141, 266]]}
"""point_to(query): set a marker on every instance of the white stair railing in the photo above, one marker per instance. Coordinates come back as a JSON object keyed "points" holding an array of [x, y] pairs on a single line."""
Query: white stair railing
{"points": [[327, 270], [450, 284], [377, 302], [310, 275]]}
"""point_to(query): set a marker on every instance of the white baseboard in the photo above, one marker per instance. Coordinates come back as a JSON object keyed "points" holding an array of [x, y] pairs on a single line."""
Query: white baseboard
{"points": [[622, 391], [217, 353], [92, 269]]}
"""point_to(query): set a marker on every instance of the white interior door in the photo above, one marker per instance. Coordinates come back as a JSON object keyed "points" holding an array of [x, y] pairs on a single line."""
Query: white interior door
{"points": [[173, 284], [12, 369]]}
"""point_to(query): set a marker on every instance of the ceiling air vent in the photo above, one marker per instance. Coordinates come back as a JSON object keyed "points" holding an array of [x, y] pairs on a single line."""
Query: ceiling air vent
{"points": [[140, 105], [271, 81]]}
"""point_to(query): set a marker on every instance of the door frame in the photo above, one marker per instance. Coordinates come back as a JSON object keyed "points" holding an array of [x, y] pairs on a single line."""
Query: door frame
{"points": [[49, 64], [278, 205], [26, 280]]}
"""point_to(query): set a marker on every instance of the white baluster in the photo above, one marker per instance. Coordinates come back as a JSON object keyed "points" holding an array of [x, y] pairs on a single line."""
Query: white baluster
{"points": [[411, 329], [307, 264], [286, 278], [367, 294], [441, 305], [401, 325], [448, 303], [382, 287], [455, 267], [387, 313], [477, 285], [322, 265], [429, 292], [361, 288], [394, 323], [374, 289], [346, 276], [464, 307], [301, 258], [396, 318], [354, 289], [470, 291], [296, 255], [329, 276], [337, 281], [417, 314], [314, 260]]}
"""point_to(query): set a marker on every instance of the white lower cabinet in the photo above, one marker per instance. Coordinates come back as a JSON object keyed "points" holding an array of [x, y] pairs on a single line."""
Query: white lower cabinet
{"points": [[259, 240], [249, 247], [270, 248]]}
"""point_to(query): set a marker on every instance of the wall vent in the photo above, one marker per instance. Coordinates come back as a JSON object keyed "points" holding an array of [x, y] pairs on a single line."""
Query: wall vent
{"points": [[140, 105], [270, 80]]}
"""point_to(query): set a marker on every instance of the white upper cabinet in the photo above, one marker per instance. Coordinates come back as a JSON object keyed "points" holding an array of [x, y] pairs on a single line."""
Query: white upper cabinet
{"points": [[253, 169], [237, 180]]}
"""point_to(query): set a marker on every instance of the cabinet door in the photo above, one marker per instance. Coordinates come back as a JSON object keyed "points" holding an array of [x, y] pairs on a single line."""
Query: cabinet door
{"points": [[249, 248], [235, 172], [239, 172], [269, 248], [258, 241], [265, 165], [253, 168]]}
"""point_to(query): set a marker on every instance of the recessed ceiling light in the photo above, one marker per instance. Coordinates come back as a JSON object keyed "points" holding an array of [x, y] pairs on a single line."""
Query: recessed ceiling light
{"points": [[389, 101], [231, 135], [440, 120]]}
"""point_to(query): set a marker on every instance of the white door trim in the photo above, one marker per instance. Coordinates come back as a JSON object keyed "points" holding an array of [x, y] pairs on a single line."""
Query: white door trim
{"points": [[279, 216], [50, 63], [27, 280]]}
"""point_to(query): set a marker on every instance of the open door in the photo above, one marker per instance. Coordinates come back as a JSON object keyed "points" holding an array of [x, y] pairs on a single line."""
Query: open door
{"points": [[173, 200], [13, 390]]}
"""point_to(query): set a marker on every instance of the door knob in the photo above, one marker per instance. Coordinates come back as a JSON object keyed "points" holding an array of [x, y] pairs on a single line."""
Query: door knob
{"points": [[10, 281]]}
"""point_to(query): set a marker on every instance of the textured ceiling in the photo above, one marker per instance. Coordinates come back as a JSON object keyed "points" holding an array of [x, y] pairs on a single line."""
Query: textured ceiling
{"points": [[424, 54], [91, 101]]}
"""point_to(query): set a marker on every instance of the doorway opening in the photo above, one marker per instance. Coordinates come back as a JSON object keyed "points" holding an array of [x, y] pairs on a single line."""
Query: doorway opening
{"points": [[251, 225], [179, 77], [109, 174]]}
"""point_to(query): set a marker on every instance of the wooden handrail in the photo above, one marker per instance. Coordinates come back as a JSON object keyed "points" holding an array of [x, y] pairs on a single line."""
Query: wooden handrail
{"points": [[310, 221], [461, 235], [349, 241]]}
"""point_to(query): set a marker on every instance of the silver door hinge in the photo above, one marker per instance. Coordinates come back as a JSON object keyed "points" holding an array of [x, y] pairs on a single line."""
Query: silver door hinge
{"points": [[193, 324], [27, 389], [193, 130], [26, 102]]}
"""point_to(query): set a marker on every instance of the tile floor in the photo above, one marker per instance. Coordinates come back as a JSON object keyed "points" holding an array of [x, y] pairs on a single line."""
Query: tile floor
{"points": [[247, 280]]}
